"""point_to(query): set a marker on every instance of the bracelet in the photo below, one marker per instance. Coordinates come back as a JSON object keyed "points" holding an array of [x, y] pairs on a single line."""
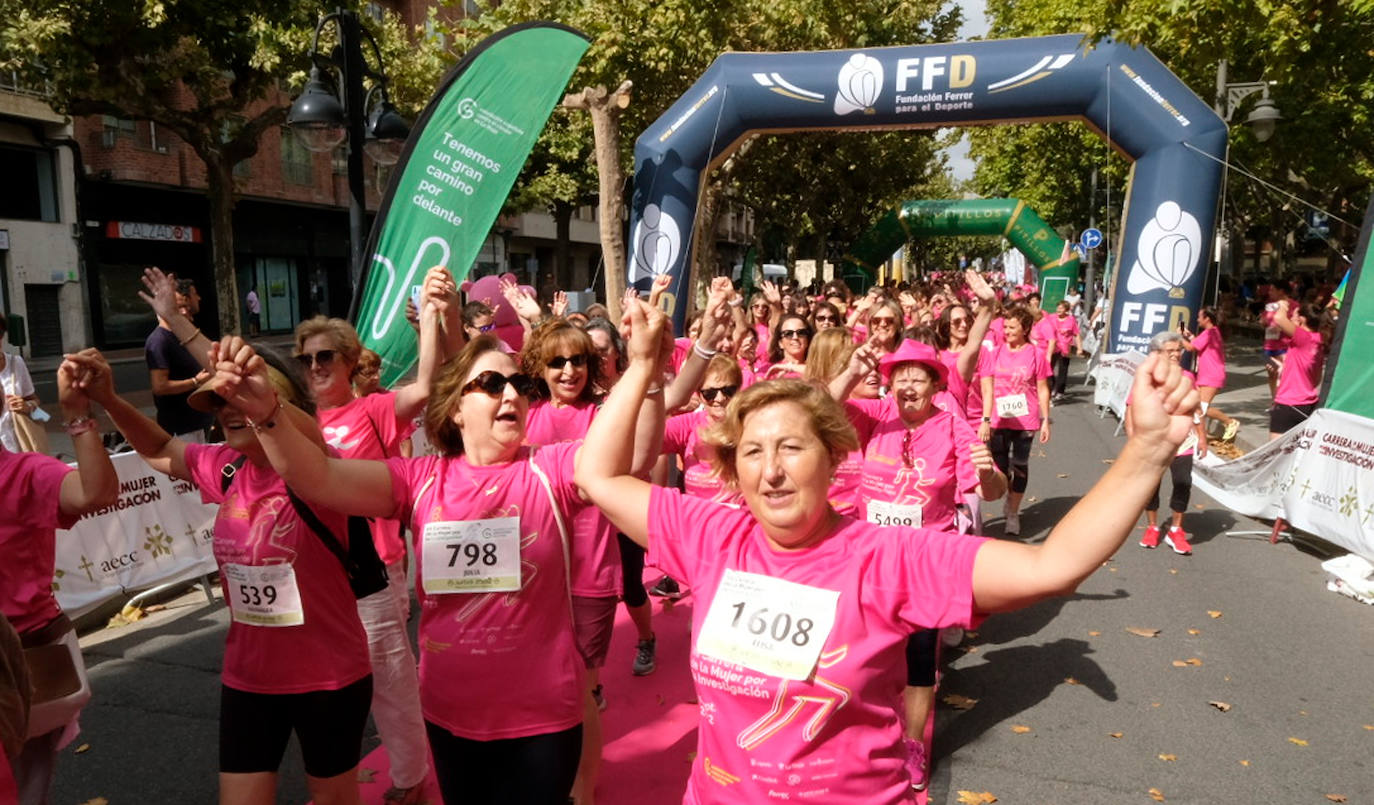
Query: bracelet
{"points": [[188, 339], [79, 425], [738, 301], [269, 422], [704, 354], [653, 390]]}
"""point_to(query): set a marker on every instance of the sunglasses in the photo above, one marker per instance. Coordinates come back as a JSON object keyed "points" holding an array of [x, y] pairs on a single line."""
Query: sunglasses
{"points": [[884, 321], [709, 395], [961, 322], [494, 383], [322, 358], [486, 328], [557, 362], [794, 333], [825, 319]]}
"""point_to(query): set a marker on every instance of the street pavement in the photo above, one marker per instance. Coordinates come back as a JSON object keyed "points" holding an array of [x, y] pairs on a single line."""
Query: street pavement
{"points": [[1111, 714]]}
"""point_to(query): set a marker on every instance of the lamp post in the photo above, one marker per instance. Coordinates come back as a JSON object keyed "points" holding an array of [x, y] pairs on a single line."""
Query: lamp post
{"points": [[361, 116], [1262, 120]]}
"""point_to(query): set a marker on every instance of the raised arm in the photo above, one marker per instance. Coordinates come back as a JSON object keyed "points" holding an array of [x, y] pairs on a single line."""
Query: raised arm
{"points": [[604, 461], [348, 486], [161, 297], [158, 448], [1009, 575], [715, 322], [862, 361], [978, 328], [1282, 319], [440, 316], [94, 484]]}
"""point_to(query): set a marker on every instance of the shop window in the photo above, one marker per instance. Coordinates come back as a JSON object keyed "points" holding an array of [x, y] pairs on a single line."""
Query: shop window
{"points": [[30, 185], [125, 319], [297, 162]]}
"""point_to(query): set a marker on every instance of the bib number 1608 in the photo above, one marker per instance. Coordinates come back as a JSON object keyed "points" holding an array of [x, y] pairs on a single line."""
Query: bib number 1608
{"points": [[780, 627]]}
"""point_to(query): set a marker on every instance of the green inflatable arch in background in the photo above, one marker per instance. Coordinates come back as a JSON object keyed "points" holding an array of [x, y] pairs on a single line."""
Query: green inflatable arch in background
{"points": [[992, 217]]}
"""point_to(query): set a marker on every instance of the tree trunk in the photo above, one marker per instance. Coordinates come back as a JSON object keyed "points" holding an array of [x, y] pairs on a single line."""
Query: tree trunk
{"points": [[704, 257], [562, 246], [220, 192], [605, 109]]}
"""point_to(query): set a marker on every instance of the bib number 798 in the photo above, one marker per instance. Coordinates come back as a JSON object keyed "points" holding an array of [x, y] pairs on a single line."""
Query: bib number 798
{"points": [[781, 627], [472, 553]]}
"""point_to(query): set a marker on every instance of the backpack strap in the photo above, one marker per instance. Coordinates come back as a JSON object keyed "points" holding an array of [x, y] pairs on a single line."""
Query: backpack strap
{"points": [[326, 536], [227, 473]]}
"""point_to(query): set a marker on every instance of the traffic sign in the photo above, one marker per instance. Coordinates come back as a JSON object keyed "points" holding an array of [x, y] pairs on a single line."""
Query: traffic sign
{"points": [[1091, 238], [1080, 251]]}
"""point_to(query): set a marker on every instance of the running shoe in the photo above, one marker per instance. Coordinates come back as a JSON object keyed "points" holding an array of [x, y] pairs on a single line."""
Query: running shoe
{"points": [[1151, 538], [1232, 428], [952, 635], [599, 697], [1177, 540], [644, 657], [916, 764], [667, 587], [1012, 527]]}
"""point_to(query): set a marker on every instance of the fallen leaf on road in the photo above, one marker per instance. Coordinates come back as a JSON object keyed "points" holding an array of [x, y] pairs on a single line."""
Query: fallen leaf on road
{"points": [[1187, 662], [970, 649], [1108, 461], [1168, 758], [1173, 571], [1214, 613], [1020, 729], [958, 702], [1298, 741], [1227, 678], [1302, 712], [82, 749], [1368, 726], [1063, 475], [971, 635], [1245, 763], [1199, 506], [1111, 570], [1136, 630], [1068, 680], [975, 798], [1154, 704], [1094, 634], [1222, 706], [1115, 734], [155, 608], [1156, 794], [1336, 797], [103, 801], [366, 775], [1194, 631]]}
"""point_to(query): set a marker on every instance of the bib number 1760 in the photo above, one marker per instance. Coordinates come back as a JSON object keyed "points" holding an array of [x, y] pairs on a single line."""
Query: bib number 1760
{"points": [[780, 626]]}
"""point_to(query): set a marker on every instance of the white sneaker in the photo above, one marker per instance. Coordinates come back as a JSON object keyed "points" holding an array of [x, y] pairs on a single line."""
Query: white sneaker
{"points": [[1012, 527], [952, 635]]}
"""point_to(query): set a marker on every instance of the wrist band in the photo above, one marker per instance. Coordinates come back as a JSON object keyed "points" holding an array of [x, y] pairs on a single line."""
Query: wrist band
{"points": [[269, 422], [188, 339], [79, 425], [704, 354]]}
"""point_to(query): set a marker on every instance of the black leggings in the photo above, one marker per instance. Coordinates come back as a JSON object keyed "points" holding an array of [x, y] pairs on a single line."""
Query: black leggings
{"points": [[1061, 372], [1181, 471], [534, 770], [920, 658], [1011, 453], [632, 572], [254, 728]]}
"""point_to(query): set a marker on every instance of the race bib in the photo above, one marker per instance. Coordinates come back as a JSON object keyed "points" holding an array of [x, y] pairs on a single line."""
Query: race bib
{"points": [[472, 556], [880, 512], [1272, 333], [768, 625], [1012, 406], [264, 595]]}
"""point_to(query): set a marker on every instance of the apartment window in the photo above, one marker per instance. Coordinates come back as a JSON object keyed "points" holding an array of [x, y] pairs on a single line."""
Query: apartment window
{"points": [[297, 162], [30, 185], [116, 127]]}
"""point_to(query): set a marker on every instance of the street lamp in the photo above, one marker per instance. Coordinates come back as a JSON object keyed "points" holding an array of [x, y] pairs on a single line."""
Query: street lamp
{"points": [[1263, 118], [324, 120]]}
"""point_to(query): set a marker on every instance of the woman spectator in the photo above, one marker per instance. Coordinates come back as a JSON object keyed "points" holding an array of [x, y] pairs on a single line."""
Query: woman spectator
{"points": [[830, 355], [798, 604], [682, 433], [40, 495], [17, 392], [367, 375], [788, 348], [1016, 404], [1296, 395], [1211, 367], [885, 326], [296, 656], [747, 354], [824, 316], [1170, 345], [1067, 339]]}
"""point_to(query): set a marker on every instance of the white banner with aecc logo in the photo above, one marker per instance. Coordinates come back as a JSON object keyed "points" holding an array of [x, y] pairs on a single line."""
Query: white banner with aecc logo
{"points": [[156, 532]]}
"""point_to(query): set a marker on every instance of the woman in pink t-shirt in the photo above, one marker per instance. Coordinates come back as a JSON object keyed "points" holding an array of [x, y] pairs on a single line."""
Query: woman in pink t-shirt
{"points": [[1211, 367], [1296, 396], [1067, 341], [830, 356], [296, 656], [38, 495], [788, 347], [1016, 405], [801, 614], [959, 334], [682, 432]]}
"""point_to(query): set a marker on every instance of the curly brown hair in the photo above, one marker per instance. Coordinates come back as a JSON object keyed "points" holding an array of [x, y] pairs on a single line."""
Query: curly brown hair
{"points": [[343, 335], [555, 337]]}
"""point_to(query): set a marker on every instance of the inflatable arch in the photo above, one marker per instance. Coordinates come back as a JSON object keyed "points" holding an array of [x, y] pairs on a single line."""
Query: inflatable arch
{"points": [[1009, 218], [1175, 140]]}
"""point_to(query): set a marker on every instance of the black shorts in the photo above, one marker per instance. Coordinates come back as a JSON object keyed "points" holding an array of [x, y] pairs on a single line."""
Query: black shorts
{"points": [[1283, 418], [255, 727]]}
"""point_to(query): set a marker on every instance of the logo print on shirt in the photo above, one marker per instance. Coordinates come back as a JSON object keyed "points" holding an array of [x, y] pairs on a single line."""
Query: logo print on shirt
{"points": [[828, 701], [334, 437], [268, 529], [910, 482]]}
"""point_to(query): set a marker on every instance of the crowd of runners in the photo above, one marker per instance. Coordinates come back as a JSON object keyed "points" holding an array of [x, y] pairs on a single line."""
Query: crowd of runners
{"points": [[811, 466]]}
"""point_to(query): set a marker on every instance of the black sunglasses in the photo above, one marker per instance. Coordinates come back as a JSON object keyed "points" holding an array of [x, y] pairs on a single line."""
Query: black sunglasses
{"points": [[493, 382], [486, 328], [803, 333], [709, 395], [322, 358], [557, 362], [820, 319]]}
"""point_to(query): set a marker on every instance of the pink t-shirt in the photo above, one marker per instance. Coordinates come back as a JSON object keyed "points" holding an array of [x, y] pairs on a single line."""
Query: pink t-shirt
{"points": [[1211, 358], [1066, 330], [835, 738], [996, 335], [367, 427], [595, 551], [747, 375], [1044, 332], [941, 469], [765, 337], [682, 347], [501, 664], [1302, 369], [1015, 372], [844, 492], [1273, 334], [29, 519], [682, 437], [955, 384], [257, 526]]}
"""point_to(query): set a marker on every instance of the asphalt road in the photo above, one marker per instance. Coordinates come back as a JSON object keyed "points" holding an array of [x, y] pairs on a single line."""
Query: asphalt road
{"points": [[1292, 661]]}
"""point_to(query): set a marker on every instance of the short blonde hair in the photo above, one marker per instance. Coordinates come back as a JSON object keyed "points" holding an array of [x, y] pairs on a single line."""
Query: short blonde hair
{"points": [[343, 335], [827, 418], [726, 367]]}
